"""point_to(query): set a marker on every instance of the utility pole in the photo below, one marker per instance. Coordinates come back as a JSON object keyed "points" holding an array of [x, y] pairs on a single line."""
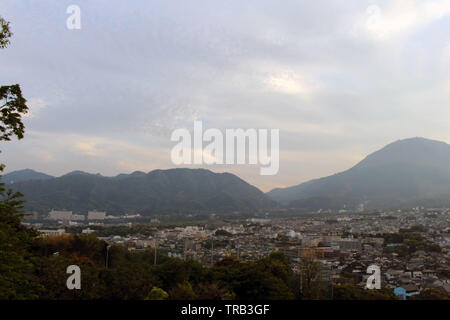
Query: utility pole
{"points": [[212, 251], [301, 280], [332, 292], [300, 271], [238, 252], [107, 255]]}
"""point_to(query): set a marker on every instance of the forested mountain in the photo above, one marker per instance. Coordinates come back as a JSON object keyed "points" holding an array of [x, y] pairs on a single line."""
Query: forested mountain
{"points": [[405, 173], [159, 191]]}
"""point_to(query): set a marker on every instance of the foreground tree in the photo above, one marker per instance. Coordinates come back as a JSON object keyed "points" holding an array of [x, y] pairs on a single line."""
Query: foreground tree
{"points": [[354, 292], [12, 108], [12, 103], [17, 271], [17, 277], [5, 33], [311, 282], [182, 291]]}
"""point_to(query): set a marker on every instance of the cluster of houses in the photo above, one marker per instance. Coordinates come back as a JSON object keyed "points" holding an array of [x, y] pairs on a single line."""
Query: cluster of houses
{"points": [[345, 245]]}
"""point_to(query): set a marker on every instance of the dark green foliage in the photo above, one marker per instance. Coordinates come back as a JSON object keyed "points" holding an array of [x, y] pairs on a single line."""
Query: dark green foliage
{"points": [[17, 263], [222, 233], [417, 228], [132, 275], [263, 279], [52, 276], [182, 291], [311, 282], [407, 242], [5, 33], [353, 292], [12, 107], [210, 291], [388, 218]]}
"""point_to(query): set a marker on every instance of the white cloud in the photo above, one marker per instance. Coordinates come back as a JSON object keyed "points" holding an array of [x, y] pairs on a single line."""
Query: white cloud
{"points": [[402, 16], [446, 87], [89, 147], [44, 155], [287, 82], [446, 55]]}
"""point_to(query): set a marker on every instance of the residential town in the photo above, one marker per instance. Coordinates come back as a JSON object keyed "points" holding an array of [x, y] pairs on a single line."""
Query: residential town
{"points": [[411, 247]]}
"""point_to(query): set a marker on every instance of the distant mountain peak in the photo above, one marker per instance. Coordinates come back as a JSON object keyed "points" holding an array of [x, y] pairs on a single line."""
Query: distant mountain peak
{"points": [[133, 174], [24, 175], [77, 172], [408, 172], [137, 173], [418, 151]]}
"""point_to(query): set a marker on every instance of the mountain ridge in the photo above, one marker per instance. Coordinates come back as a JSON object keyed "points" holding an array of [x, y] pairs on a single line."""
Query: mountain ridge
{"points": [[397, 175], [405, 173], [24, 175], [178, 190]]}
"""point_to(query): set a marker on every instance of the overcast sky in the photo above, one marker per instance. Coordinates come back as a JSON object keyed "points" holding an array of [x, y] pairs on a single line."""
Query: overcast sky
{"points": [[339, 79]]}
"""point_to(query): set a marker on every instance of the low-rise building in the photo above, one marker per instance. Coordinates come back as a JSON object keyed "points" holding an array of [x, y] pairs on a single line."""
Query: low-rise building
{"points": [[96, 215]]}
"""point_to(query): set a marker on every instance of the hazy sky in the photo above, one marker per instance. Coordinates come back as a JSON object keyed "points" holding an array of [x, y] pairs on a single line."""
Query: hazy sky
{"points": [[339, 79]]}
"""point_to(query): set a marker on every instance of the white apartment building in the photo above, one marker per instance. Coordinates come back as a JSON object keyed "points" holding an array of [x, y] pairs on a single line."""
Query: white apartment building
{"points": [[60, 215], [49, 233], [96, 215]]}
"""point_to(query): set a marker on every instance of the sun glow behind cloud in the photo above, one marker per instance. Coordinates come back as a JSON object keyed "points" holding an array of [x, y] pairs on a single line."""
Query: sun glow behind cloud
{"points": [[400, 17], [288, 82]]}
